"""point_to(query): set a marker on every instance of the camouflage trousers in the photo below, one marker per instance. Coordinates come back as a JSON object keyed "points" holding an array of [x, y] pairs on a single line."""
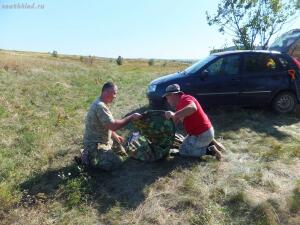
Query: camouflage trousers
{"points": [[103, 156], [196, 145]]}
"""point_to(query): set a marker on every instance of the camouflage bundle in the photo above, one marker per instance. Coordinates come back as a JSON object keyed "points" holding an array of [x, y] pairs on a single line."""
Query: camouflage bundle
{"points": [[156, 137]]}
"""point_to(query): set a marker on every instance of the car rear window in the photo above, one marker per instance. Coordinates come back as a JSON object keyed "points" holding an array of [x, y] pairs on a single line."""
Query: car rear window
{"points": [[256, 63], [284, 62]]}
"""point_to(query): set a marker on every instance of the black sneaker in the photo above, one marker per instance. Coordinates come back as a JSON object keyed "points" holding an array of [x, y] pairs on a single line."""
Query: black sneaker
{"points": [[78, 160]]}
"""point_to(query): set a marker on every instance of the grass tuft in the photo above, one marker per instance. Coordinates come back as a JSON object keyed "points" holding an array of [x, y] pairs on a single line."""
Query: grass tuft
{"points": [[75, 191], [294, 201], [265, 214]]}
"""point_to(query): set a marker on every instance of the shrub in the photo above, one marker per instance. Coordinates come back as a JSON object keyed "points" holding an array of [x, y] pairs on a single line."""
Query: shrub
{"points": [[120, 60], [151, 62], [54, 53]]}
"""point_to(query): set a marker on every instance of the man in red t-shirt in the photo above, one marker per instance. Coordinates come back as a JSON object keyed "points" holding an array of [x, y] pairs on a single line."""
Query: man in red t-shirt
{"points": [[200, 132]]}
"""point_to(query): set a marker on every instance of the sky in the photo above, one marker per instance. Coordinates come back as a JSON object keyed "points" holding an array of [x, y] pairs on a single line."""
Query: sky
{"points": [[165, 29]]}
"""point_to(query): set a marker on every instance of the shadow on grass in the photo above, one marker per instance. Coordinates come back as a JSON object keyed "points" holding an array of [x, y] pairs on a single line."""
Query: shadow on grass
{"points": [[263, 122], [123, 187], [127, 185]]}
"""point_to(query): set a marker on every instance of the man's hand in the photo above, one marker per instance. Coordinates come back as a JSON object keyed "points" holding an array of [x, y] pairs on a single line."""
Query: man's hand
{"points": [[173, 116], [118, 138], [169, 115], [135, 116]]}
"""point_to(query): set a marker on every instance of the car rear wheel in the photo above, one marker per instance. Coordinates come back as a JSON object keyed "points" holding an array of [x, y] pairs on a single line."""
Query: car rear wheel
{"points": [[284, 102]]}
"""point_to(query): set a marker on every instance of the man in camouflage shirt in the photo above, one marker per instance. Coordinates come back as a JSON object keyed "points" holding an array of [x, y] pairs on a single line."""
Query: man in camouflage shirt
{"points": [[102, 145]]}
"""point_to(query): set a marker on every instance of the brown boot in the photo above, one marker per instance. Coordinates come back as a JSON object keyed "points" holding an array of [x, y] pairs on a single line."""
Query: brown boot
{"points": [[219, 146], [213, 149]]}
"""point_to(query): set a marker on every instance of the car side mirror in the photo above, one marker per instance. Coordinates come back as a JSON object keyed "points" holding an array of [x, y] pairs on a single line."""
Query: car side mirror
{"points": [[204, 74]]}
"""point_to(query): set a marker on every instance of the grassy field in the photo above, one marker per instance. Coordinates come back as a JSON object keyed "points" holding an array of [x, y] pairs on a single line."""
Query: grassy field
{"points": [[43, 103]]}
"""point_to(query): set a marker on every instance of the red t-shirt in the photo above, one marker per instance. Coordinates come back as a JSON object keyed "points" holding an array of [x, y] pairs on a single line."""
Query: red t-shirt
{"points": [[196, 123]]}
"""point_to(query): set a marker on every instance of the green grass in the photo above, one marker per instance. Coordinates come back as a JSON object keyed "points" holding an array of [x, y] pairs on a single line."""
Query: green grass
{"points": [[42, 108], [295, 199]]}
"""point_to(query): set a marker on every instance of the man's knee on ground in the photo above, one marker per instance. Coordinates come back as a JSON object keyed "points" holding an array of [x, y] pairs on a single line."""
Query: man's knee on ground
{"points": [[105, 160]]}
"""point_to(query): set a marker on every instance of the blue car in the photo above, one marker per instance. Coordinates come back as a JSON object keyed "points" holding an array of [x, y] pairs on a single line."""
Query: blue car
{"points": [[247, 78]]}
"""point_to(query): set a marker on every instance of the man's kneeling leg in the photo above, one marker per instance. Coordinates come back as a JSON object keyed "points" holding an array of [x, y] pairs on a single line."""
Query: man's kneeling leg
{"points": [[105, 160]]}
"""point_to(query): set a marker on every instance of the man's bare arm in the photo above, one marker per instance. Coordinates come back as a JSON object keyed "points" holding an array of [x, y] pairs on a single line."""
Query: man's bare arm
{"points": [[186, 111], [181, 114], [118, 124]]}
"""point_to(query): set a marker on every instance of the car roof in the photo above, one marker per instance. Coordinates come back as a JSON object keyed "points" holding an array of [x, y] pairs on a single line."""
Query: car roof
{"points": [[245, 51]]}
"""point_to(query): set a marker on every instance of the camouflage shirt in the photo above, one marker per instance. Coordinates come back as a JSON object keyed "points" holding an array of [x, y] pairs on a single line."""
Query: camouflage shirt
{"points": [[97, 118]]}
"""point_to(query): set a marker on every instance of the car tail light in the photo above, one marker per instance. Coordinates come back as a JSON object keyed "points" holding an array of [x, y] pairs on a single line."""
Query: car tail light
{"points": [[292, 74], [297, 62]]}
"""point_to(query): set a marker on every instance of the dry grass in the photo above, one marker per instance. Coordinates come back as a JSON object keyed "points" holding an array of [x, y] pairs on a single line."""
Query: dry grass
{"points": [[42, 107]]}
